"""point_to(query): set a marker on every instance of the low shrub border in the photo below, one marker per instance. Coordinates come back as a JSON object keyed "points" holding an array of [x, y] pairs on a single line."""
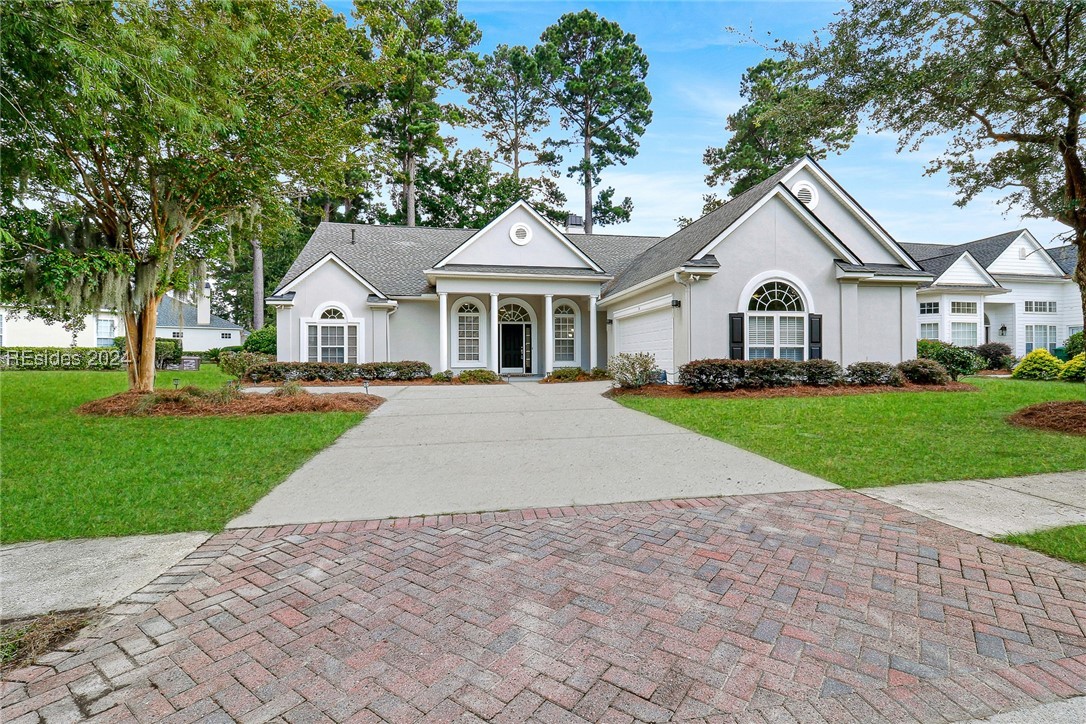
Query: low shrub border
{"points": [[713, 375], [336, 371], [576, 374]]}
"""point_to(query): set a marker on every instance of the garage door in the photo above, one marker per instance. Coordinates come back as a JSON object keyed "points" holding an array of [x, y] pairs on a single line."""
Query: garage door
{"points": [[650, 332]]}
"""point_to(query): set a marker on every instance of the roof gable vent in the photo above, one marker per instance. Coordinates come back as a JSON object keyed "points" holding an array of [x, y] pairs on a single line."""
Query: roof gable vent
{"points": [[806, 193]]}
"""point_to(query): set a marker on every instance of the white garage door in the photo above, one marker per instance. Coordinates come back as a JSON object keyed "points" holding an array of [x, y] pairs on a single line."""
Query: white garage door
{"points": [[650, 332]]}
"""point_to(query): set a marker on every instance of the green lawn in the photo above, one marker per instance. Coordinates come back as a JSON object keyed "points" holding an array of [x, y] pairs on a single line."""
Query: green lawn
{"points": [[64, 475], [1068, 543], [882, 439]]}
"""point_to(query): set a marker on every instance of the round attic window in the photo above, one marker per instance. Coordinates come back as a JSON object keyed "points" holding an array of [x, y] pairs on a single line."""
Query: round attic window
{"points": [[806, 193], [520, 234]]}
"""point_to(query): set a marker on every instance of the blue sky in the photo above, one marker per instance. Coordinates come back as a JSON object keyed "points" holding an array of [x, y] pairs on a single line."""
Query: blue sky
{"points": [[694, 72]]}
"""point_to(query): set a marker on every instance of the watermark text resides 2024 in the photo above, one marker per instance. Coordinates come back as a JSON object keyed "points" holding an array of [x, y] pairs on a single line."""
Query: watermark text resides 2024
{"points": [[104, 357]]}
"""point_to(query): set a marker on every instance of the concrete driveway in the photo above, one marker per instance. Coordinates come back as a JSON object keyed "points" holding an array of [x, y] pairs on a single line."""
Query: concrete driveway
{"points": [[431, 450]]}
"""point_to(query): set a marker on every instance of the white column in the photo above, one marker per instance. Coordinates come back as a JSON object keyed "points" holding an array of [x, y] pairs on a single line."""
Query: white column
{"points": [[494, 332], [593, 343], [443, 336], [547, 336]]}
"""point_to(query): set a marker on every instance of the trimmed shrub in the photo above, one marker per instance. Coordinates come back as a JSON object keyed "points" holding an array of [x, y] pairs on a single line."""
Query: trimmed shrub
{"points": [[771, 373], [924, 372], [270, 371], [1074, 346], [479, 377], [821, 372], [236, 364], [633, 370], [262, 340], [566, 374], [957, 361], [445, 376], [1040, 364], [712, 375], [167, 349], [61, 358], [599, 373], [874, 373], [1008, 363], [993, 354], [1074, 369]]}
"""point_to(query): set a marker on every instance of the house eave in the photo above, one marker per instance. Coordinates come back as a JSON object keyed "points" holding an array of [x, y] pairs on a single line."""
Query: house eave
{"points": [[434, 274]]}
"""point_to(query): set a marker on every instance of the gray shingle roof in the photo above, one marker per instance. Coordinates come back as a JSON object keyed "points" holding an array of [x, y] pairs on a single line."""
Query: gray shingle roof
{"points": [[504, 269], [883, 270], [919, 252], [1066, 257], [675, 250], [175, 313]]}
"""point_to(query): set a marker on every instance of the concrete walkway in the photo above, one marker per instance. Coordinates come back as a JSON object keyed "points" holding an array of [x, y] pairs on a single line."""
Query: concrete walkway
{"points": [[431, 450], [996, 507], [43, 576]]}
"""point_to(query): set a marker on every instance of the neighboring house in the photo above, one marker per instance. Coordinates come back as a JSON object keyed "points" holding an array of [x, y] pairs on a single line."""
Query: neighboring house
{"points": [[194, 324], [792, 268], [1004, 288]]}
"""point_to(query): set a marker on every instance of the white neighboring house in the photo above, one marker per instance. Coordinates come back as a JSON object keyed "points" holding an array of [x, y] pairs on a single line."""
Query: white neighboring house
{"points": [[194, 324], [1005, 288]]}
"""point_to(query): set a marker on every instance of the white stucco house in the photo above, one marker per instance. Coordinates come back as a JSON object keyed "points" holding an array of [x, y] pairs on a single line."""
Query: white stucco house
{"points": [[194, 324], [792, 268], [1005, 288]]}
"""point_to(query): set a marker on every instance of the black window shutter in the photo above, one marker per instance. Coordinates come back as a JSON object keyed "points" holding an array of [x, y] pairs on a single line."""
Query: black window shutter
{"points": [[735, 335], [814, 336]]}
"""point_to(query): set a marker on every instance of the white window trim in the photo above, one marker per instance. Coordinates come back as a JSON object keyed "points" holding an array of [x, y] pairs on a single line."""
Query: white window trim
{"points": [[975, 312], [777, 276], [1029, 336], [976, 332], [348, 320], [576, 361], [802, 316], [454, 337], [938, 307], [938, 330]]}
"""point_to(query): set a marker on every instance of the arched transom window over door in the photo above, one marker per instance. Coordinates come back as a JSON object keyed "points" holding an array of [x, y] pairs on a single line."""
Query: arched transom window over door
{"points": [[510, 312], [565, 333], [332, 339], [468, 319], [776, 323]]}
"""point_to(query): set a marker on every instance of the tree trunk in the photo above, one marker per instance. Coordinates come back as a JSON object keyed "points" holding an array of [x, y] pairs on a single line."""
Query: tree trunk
{"points": [[409, 190], [140, 345], [587, 184], [1080, 269], [258, 278]]}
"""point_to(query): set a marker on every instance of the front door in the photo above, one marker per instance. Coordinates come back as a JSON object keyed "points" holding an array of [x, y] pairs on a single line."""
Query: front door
{"points": [[515, 348]]}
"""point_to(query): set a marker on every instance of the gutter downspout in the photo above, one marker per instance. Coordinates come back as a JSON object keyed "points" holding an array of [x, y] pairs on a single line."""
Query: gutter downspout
{"points": [[388, 326], [688, 317]]}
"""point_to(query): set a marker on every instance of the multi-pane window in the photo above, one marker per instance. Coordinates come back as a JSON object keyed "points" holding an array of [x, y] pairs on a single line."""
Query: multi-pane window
{"points": [[1041, 307], [467, 332], [565, 343], [963, 307], [177, 335], [776, 330], [331, 339], [929, 330], [963, 334], [929, 307], [226, 335], [1040, 336], [104, 332]]}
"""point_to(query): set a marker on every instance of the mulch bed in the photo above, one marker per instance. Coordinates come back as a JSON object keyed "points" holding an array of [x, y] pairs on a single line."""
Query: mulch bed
{"points": [[23, 641], [1069, 417], [175, 403], [373, 383], [798, 391]]}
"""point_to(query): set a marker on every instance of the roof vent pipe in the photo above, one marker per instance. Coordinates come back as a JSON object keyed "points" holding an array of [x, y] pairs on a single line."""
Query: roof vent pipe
{"points": [[352, 235]]}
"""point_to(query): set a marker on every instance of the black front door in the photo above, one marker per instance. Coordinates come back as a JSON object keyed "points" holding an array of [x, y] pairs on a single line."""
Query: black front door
{"points": [[512, 347]]}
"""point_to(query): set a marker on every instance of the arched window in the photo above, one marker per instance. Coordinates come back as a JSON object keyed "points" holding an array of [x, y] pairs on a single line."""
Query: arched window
{"points": [[332, 339], [468, 326], [565, 333], [511, 312], [776, 324]]}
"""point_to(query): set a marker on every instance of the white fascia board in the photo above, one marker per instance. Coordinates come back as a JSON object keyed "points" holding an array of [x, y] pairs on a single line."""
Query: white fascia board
{"points": [[858, 211], [1043, 278], [805, 215], [444, 274], [521, 204], [646, 306], [331, 257], [667, 276]]}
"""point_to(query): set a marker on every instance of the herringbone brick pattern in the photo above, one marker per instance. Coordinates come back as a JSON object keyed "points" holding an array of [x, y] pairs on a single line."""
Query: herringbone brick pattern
{"points": [[823, 606]]}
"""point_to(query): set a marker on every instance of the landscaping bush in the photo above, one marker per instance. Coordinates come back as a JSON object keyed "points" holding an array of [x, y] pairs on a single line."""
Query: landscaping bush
{"points": [[599, 373], [236, 364], [957, 361], [633, 370], [262, 340], [771, 373], [61, 358], [874, 373], [924, 372], [566, 374], [1074, 346], [712, 375], [289, 389], [1074, 370], [821, 373], [335, 371], [445, 376], [1008, 363], [993, 354], [1040, 364], [167, 349], [479, 377]]}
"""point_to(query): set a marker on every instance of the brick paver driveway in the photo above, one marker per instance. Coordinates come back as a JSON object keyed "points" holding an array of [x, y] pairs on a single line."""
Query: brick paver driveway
{"points": [[819, 605]]}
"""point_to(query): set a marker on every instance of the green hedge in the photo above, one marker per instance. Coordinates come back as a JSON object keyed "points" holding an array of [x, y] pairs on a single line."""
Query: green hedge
{"points": [[924, 372], [958, 361], [714, 375], [166, 349], [61, 358], [262, 340], [337, 371]]}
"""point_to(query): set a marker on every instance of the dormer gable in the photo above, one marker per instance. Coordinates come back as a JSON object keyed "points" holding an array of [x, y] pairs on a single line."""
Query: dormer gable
{"points": [[520, 237], [965, 271], [1025, 256]]}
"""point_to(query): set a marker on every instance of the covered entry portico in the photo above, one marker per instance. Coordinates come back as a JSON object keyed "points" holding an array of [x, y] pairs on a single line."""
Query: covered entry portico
{"points": [[522, 321]]}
